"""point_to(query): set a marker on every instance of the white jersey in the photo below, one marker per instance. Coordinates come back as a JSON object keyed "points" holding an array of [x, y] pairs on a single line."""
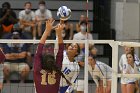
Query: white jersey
{"points": [[101, 71], [130, 70], [123, 63], [43, 16], [70, 70]]}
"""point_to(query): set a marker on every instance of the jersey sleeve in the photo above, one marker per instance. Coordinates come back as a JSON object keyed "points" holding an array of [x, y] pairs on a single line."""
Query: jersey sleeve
{"points": [[37, 60], [59, 56]]}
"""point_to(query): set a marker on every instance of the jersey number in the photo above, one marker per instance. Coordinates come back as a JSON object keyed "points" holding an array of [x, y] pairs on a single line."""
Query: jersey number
{"points": [[51, 77], [66, 71]]}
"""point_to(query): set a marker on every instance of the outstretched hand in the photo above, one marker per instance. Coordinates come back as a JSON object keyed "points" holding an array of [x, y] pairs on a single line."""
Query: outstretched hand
{"points": [[49, 25], [59, 29]]}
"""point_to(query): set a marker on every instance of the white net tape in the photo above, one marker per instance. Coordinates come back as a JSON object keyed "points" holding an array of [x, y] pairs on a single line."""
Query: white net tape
{"points": [[112, 43]]}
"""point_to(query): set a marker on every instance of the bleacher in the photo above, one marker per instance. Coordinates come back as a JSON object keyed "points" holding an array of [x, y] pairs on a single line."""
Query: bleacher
{"points": [[78, 7]]}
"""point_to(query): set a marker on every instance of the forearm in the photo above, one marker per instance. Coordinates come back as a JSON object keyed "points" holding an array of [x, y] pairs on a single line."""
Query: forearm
{"points": [[2, 19], [60, 39], [10, 57], [14, 56], [71, 32], [20, 55], [26, 23], [44, 36]]}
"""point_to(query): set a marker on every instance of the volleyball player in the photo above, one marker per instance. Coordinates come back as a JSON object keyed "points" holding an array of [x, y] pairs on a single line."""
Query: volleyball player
{"points": [[123, 63], [101, 74], [70, 68], [131, 68], [47, 70], [2, 58]]}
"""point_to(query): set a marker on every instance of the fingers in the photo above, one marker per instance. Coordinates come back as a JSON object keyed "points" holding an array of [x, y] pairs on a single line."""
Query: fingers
{"points": [[50, 21], [60, 27]]}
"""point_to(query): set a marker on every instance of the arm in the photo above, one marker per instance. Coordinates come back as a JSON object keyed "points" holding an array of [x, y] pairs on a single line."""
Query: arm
{"points": [[3, 18], [14, 56], [27, 23], [121, 64], [13, 17], [47, 31], [37, 63], [59, 57], [77, 27], [71, 32]]}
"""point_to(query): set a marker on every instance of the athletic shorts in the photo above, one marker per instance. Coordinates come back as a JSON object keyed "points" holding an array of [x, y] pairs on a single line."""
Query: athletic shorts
{"points": [[18, 67], [131, 83], [63, 89]]}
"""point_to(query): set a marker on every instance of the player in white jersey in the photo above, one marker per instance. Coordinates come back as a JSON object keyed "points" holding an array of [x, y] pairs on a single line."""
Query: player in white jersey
{"points": [[101, 74], [131, 68], [70, 68], [123, 63]]}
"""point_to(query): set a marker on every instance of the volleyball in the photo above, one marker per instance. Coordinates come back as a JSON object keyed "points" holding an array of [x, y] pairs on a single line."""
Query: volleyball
{"points": [[64, 13]]}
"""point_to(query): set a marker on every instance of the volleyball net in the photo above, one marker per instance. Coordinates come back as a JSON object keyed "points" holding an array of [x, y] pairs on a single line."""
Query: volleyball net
{"points": [[115, 45]]}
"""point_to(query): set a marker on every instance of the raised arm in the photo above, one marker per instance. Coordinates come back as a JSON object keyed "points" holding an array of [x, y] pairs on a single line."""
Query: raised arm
{"points": [[37, 63], [59, 57], [47, 31]]}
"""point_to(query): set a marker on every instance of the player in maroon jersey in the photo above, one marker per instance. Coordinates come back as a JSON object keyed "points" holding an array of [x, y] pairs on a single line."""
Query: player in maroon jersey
{"points": [[47, 69], [2, 58]]}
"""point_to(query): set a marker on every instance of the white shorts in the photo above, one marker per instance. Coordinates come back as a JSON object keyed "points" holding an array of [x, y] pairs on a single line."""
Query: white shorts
{"points": [[18, 67], [79, 85], [123, 80]]}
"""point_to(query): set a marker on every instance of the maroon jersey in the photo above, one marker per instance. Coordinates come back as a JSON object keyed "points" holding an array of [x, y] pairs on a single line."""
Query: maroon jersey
{"points": [[2, 56], [47, 82]]}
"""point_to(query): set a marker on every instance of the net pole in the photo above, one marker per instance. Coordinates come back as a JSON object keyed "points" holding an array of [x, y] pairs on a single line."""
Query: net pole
{"points": [[114, 46], [86, 55]]}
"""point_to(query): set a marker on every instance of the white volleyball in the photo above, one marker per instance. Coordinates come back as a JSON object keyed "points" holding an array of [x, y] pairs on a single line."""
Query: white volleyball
{"points": [[64, 13]]}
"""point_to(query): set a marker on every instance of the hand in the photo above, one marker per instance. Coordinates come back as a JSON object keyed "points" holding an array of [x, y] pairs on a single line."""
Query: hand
{"points": [[59, 29], [49, 25]]}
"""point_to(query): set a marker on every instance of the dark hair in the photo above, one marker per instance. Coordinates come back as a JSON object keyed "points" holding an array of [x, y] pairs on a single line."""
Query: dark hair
{"points": [[132, 50], [27, 3], [131, 53], [94, 56], [48, 64], [42, 2], [7, 4]]}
